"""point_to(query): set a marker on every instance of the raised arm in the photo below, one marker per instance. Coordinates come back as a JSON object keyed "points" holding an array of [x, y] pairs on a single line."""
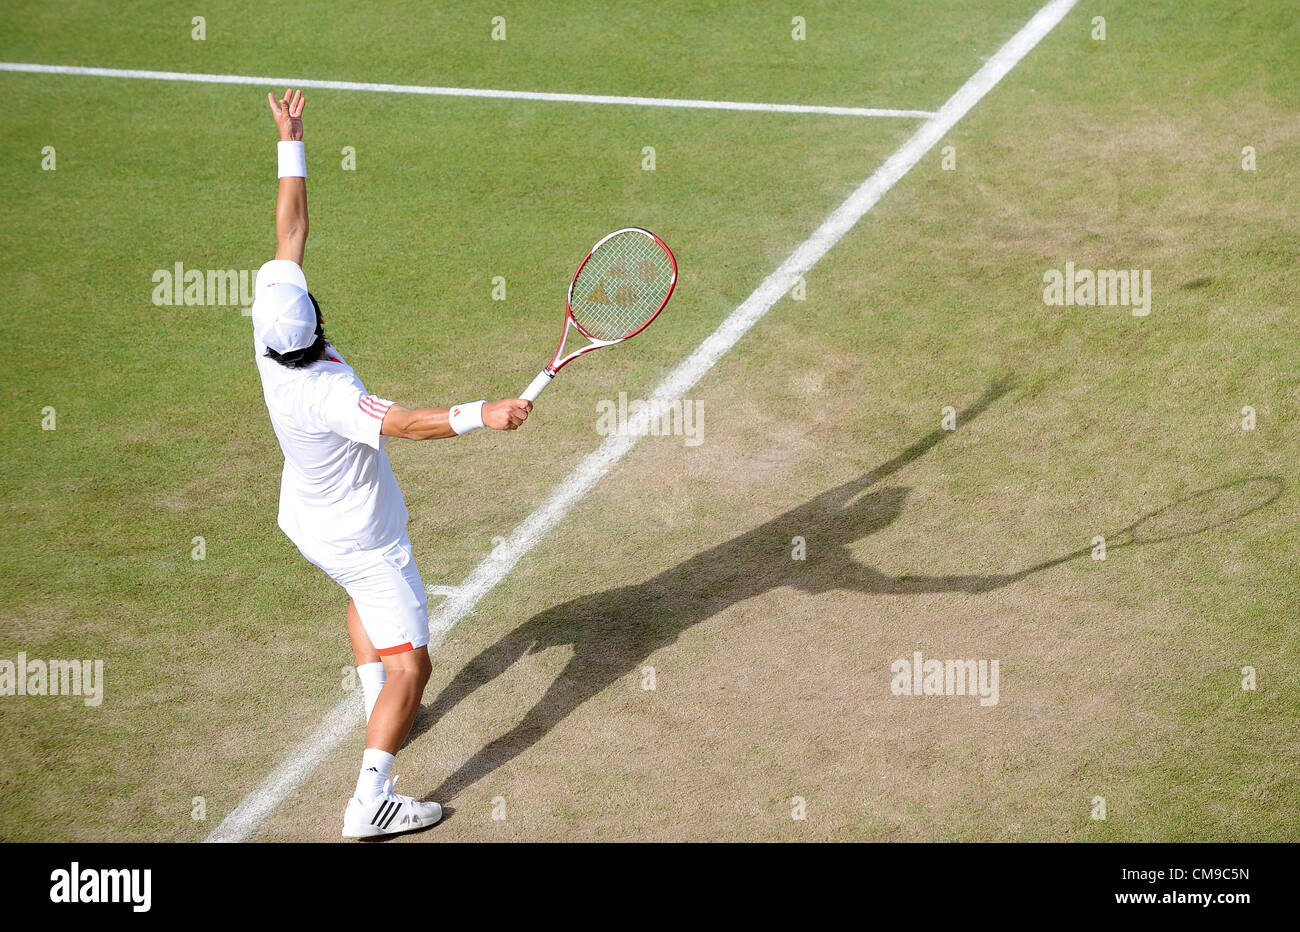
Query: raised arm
{"points": [[291, 203]]}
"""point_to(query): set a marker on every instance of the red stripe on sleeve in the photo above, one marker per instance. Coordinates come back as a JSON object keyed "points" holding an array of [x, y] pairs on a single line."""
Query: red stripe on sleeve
{"points": [[373, 407]]}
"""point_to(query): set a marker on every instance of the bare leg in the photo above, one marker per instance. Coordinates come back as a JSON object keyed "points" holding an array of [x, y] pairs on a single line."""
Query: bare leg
{"points": [[399, 700]]}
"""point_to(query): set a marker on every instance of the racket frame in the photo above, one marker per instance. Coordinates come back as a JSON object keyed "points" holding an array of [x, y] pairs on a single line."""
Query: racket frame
{"points": [[556, 364]]}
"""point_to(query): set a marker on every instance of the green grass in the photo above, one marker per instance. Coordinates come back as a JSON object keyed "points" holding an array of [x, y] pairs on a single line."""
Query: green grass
{"points": [[1122, 677]]}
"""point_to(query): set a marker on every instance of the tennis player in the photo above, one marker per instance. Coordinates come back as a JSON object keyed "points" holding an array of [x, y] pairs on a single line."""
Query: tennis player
{"points": [[339, 501]]}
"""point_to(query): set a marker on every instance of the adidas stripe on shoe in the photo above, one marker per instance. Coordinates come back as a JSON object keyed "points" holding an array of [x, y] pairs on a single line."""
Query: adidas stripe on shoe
{"points": [[388, 813]]}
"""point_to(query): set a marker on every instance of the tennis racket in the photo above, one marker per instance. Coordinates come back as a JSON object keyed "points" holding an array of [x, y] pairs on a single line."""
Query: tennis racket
{"points": [[620, 287]]}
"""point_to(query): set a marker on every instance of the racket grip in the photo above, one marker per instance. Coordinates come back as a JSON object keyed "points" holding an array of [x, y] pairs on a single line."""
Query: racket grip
{"points": [[538, 385]]}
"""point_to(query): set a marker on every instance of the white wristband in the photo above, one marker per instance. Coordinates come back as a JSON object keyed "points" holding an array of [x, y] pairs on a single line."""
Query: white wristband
{"points": [[466, 417], [293, 158]]}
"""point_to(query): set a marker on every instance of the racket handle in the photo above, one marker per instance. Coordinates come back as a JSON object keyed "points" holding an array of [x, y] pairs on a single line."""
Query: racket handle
{"points": [[538, 385]]}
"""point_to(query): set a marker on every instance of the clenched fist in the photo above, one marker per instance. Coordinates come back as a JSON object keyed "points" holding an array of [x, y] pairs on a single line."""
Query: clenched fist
{"points": [[506, 414]]}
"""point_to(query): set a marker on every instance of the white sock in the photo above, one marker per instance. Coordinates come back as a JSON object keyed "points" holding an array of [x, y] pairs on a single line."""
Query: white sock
{"points": [[376, 765], [372, 678]]}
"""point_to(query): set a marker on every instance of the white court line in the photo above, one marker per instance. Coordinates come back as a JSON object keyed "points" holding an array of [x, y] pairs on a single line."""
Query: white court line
{"points": [[459, 91], [250, 813]]}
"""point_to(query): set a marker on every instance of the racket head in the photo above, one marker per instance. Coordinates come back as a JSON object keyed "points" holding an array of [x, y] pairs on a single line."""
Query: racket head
{"points": [[622, 285], [1206, 509]]}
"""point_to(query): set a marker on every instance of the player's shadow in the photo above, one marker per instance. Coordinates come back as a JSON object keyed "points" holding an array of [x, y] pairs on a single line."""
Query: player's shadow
{"points": [[613, 632]]}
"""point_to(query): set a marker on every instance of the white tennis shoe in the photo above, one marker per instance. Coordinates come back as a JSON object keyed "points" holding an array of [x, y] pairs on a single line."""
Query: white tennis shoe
{"points": [[388, 814]]}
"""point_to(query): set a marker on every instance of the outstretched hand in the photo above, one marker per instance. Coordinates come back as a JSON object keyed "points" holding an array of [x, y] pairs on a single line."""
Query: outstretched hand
{"points": [[288, 113]]}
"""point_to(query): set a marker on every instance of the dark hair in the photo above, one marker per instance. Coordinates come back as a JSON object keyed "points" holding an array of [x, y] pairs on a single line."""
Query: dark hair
{"points": [[302, 358]]}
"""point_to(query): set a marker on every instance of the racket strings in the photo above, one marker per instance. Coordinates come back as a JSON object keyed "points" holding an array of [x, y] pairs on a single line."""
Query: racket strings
{"points": [[621, 287]]}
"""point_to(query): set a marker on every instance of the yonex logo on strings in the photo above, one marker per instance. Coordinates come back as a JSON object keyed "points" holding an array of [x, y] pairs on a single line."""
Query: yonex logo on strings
{"points": [[623, 294]]}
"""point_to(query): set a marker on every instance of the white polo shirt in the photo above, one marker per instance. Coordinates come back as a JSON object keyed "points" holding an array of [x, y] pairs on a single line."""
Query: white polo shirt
{"points": [[338, 495]]}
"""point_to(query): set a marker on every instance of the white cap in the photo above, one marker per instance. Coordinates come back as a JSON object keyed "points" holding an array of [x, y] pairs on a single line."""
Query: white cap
{"points": [[283, 316]]}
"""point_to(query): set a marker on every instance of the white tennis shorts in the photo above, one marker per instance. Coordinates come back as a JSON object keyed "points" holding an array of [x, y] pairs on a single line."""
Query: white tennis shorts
{"points": [[388, 592]]}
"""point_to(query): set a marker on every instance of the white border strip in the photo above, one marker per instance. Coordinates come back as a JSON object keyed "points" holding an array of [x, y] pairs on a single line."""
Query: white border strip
{"points": [[250, 813], [459, 91]]}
